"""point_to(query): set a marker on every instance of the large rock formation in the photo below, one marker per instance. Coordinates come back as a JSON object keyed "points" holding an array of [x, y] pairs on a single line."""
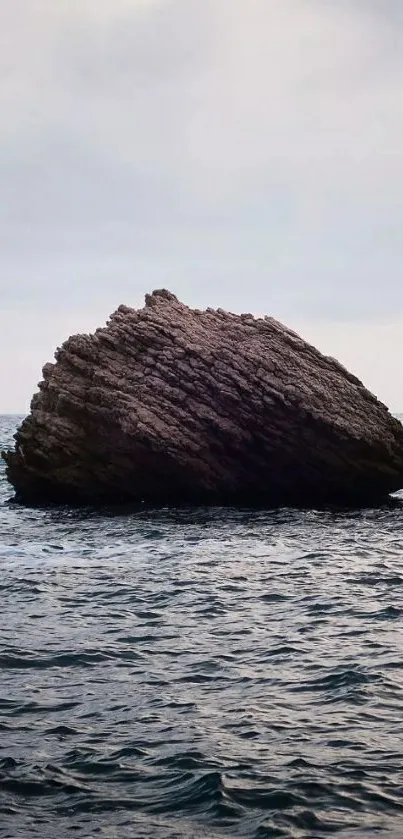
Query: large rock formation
{"points": [[170, 404]]}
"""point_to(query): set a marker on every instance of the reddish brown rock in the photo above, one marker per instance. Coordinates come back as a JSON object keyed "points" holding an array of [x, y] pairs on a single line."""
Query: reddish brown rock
{"points": [[170, 404]]}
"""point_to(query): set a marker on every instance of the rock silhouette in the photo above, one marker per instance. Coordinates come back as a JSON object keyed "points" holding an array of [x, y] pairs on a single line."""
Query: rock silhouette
{"points": [[171, 404]]}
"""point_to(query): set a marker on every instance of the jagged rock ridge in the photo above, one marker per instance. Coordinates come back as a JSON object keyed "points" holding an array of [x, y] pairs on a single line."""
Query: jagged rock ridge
{"points": [[169, 404]]}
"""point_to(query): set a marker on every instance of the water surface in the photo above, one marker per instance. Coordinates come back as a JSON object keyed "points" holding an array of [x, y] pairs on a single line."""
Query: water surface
{"points": [[213, 673]]}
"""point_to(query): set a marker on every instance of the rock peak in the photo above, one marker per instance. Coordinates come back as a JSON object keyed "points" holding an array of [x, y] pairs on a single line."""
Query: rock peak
{"points": [[160, 295]]}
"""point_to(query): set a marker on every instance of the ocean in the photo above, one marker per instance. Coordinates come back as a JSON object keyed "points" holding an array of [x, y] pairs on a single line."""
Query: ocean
{"points": [[180, 673]]}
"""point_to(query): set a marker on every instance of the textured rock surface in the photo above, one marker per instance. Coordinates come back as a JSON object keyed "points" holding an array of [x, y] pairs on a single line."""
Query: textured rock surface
{"points": [[168, 403]]}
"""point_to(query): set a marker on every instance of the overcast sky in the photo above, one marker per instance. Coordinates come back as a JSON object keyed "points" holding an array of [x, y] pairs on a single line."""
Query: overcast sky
{"points": [[243, 153]]}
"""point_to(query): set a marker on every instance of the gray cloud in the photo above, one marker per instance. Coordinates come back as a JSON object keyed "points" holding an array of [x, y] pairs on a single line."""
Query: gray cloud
{"points": [[246, 155]]}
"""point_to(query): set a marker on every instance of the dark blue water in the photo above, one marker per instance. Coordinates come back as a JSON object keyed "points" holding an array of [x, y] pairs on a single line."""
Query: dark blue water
{"points": [[200, 673]]}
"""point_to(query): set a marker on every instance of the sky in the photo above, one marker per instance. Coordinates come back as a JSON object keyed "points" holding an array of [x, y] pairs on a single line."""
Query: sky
{"points": [[246, 155]]}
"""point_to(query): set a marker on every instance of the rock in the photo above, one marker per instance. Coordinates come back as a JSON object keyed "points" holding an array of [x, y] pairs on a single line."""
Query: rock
{"points": [[169, 404]]}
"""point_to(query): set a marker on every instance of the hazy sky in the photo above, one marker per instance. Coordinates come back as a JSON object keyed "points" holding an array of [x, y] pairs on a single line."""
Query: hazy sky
{"points": [[243, 153]]}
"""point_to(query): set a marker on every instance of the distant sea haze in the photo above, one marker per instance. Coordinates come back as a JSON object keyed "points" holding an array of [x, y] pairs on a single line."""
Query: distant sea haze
{"points": [[200, 672]]}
